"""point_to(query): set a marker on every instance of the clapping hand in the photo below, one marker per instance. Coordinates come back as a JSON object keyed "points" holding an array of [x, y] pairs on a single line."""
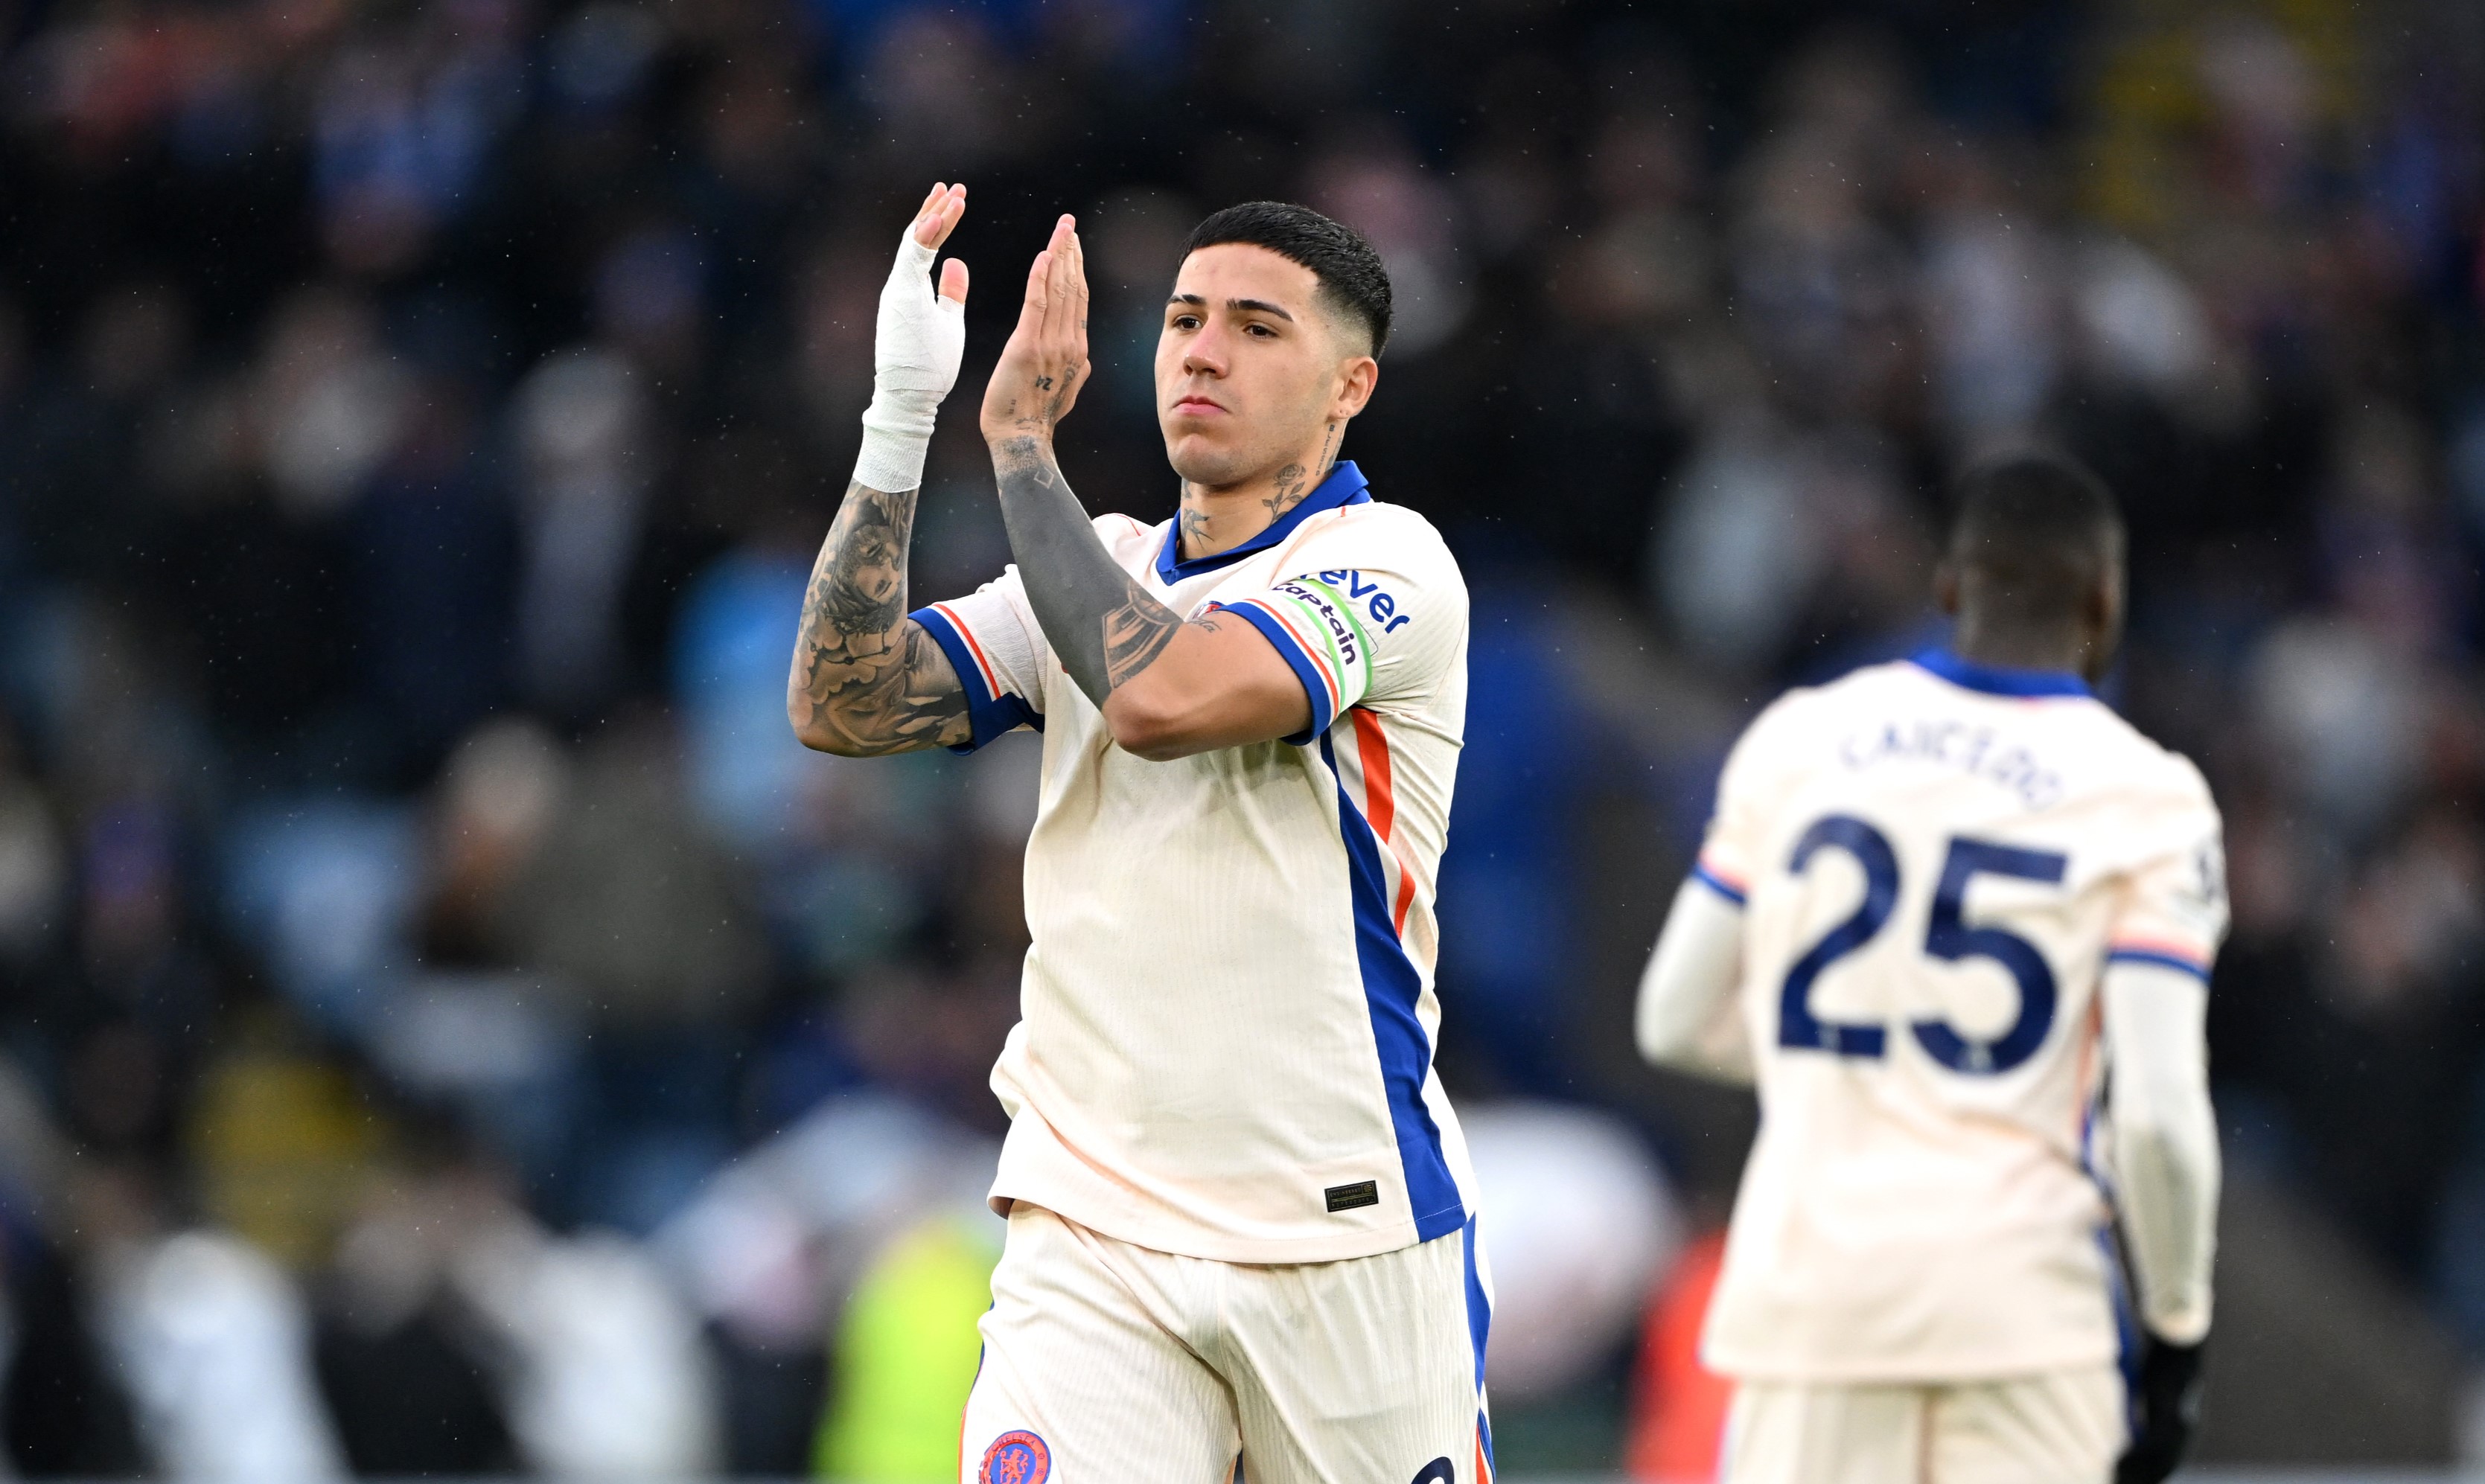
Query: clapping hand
{"points": [[1045, 363]]}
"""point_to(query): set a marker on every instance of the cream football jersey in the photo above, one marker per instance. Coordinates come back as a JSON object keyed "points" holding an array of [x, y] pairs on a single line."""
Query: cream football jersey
{"points": [[1936, 862], [1225, 1044]]}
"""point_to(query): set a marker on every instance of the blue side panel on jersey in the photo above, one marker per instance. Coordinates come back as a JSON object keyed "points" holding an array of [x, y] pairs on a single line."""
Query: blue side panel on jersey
{"points": [[1479, 1307], [989, 715], [1391, 990], [2126, 1324], [2117, 1287], [1717, 883], [2198, 971], [1296, 660], [1479, 1327]]}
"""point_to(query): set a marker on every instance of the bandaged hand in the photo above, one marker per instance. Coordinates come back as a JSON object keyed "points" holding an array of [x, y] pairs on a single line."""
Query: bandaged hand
{"points": [[916, 348]]}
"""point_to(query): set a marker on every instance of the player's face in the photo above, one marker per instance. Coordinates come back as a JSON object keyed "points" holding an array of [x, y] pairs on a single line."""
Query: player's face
{"points": [[1249, 366]]}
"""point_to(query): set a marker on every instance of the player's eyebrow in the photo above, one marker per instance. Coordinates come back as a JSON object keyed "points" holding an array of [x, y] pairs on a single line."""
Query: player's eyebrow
{"points": [[1263, 306]]}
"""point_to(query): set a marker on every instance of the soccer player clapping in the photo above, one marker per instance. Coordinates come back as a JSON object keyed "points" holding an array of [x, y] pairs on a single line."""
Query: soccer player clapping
{"points": [[1239, 1223]]}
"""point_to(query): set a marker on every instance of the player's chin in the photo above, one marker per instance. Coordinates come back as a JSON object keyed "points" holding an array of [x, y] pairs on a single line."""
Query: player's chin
{"points": [[1201, 457]]}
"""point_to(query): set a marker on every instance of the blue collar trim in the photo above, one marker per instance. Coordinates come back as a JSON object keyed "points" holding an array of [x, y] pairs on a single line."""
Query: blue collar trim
{"points": [[1999, 679], [1344, 486]]}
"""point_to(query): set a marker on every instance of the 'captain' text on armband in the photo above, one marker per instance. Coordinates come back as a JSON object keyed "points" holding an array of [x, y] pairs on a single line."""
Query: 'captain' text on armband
{"points": [[1342, 632], [1970, 749]]}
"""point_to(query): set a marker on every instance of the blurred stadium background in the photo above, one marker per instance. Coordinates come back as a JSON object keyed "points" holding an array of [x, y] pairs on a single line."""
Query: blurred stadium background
{"points": [[447, 1025]]}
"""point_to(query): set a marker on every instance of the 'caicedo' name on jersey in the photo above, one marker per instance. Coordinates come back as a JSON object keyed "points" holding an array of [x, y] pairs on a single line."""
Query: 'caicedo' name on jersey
{"points": [[1340, 590], [1976, 750]]}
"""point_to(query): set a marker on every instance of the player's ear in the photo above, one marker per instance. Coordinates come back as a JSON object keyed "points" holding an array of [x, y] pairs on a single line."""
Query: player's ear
{"points": [[1946, 586], [2103, 611], [1356, 376]]}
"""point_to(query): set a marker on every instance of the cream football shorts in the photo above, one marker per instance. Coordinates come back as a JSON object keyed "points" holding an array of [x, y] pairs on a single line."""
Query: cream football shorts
{"points": [[1109, 1363], [2061, 1427]]}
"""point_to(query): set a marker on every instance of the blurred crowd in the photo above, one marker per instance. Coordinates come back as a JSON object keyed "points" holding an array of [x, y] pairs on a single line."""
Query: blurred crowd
{"points": [[448, 1024]]}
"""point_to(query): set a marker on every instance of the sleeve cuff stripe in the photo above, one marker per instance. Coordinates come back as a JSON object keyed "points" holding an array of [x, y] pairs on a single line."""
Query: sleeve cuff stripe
{"points": [[992, 681], [1316, 686], [1311, 652], [2160, 957], [1718, 884], [988, 713]]}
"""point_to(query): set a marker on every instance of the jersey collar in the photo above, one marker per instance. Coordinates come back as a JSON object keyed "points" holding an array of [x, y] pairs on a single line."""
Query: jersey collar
{"points": [[1999, 679], [1344, 486]]}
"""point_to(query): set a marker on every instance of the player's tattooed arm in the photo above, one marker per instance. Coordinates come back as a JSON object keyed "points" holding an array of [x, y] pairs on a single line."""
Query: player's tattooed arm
{"points": [[1168, 688], [867, 680], [1102, 625]]}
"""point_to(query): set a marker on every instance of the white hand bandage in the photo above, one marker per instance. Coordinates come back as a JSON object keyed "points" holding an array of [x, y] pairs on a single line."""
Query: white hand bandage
{"points": [[920, 339]]}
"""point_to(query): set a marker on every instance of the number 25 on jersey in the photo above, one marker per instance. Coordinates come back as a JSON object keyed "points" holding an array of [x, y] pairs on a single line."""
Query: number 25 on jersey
{"points": [[1946, 936]]}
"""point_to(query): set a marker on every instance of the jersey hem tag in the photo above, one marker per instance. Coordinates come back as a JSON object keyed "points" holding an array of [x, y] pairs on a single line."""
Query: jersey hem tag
{"points": [[1352, 1197]]}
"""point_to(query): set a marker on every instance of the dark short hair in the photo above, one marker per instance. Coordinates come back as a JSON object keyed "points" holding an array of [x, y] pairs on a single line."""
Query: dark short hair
{"points": [[2040, 528], [1353, 284]]}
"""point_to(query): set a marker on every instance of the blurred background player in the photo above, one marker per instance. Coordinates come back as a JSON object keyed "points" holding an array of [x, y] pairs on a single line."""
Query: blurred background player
{"points": [[1237, 1197], [1939, 900]]}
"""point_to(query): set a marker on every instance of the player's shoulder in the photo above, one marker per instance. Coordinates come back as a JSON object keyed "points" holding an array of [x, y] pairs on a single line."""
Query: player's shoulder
{"points": [[1785, 730], [1800, 710], [1386, 515], [2129, 759], [1381, 533], [2108, 753], [1114, 528], [1129, 538], [1375, 553]]}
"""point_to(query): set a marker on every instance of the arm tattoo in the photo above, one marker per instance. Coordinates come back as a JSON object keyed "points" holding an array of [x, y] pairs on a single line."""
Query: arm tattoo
{"points": [[1134, 636], [1102, 625], [867, 680]]}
